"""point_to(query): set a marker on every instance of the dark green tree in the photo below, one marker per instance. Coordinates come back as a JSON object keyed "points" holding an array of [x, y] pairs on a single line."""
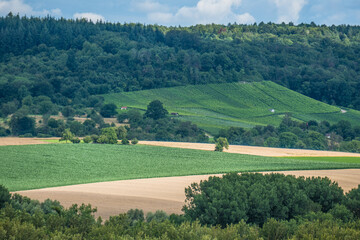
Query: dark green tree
{"points": [[22, 124], [4, 196], [156, 110], [108, 110], [221, 143]]}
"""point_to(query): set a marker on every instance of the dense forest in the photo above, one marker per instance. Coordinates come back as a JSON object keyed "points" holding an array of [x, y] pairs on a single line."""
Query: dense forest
{"points": [[271, 206], [51, 63]]}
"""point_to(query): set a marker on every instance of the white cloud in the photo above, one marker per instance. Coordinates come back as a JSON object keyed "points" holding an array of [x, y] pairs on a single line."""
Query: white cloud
{"points": [[15, 6], [149, 6], [205, 11], [93, 17], [245, 18], [160, 17], [21, 8], [289, 10]]}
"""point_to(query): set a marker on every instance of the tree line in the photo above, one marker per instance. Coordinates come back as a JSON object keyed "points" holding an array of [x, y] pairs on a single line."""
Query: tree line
{"points": [[341, 136], [55, 63], [246, 206], [154, 124]]}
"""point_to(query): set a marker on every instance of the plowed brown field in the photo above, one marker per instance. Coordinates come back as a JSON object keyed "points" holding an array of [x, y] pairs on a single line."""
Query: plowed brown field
{"points": [[167, 194]]}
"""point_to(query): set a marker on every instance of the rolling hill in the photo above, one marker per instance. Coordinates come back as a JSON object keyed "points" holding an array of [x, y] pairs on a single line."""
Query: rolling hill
{"points": [[241, 104]]}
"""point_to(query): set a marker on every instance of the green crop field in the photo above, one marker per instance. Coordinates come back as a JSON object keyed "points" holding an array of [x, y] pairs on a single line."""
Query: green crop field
{"points": [[39, 166], [234, 104], [331, 159]]}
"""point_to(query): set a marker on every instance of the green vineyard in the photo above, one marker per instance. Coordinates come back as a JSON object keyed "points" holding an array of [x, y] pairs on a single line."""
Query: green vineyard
{"points": [[215, 106]]}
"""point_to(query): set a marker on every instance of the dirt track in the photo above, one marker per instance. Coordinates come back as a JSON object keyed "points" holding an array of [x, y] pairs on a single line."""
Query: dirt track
{"points": [[261, 151], [152, 194]]}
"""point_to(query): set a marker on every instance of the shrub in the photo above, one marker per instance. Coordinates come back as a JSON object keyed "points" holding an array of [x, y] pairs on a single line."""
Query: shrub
{"points": [[125, 141], [94, 138], [26, 135], [134, 141], [75, 140], [43, 135], [87, 139]]}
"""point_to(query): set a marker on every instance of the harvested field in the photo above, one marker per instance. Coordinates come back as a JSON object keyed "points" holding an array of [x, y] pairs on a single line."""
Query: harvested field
{"points": [[153, 194], [260, 151], [7, 141]]}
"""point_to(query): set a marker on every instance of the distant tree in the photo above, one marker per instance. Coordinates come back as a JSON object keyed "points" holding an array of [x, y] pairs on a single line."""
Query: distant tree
{"points": [[159, 216], [287, 140], [271, 142], [8, 108], [108, 136], [134, 141], [353, 201], [87, 139], [22, 124], [53, 123], [125, 141], [156, 110], [75, 140], [68, 111], [351, 146], [67, 135], [221, 143], [121, 132], [108, 110], [135, 215]]}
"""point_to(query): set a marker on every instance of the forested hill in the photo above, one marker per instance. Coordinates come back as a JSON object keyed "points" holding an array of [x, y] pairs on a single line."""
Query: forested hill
{"points": [[68, 60]]}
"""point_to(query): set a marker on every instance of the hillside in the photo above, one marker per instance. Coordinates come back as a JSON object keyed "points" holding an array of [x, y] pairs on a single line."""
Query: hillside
{"points": [[47, 64], [241, 104]]}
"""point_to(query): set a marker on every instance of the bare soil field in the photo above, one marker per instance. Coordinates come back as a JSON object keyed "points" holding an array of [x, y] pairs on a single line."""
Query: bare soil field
{"points": [[153, 194], [167, 194], [6, 141], [260, 151]]}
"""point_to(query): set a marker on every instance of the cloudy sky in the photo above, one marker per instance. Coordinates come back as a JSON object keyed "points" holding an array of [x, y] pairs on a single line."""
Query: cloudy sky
{"points": [[190, 12]]}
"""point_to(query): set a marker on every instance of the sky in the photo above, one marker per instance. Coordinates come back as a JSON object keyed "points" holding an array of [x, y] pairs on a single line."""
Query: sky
{"points": [[191, 12]]}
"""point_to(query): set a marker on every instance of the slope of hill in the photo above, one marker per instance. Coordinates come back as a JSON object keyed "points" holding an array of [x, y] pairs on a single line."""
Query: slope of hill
{"points": [[48, 63], [215, 106]]}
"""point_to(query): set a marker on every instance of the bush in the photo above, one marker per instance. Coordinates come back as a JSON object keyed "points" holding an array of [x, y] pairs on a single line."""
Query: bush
{"points": [[125, 141], [94, 138], [87, 139], [75, 140], [26, 135], [134, 141], [42, 135]]}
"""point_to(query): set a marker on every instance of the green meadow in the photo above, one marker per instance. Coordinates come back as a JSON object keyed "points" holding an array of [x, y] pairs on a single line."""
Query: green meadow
{"points": [[214, 106], [40, 166]]}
